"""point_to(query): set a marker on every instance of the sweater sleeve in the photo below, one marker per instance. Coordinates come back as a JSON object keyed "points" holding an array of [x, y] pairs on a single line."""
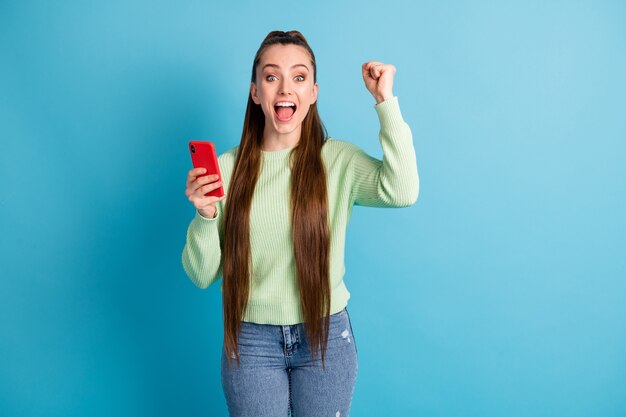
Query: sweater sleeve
{"points": [[394, 181], [202, 254]]}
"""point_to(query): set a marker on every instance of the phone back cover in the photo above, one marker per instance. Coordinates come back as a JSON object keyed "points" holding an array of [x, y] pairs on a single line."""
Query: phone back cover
{"points": [[206, 157]]}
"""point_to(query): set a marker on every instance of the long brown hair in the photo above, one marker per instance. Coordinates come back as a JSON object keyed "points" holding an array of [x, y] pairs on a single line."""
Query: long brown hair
{"points": [[309, 217]]}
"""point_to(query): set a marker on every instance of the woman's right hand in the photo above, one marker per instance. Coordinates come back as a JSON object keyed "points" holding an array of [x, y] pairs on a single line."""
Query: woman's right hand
{"points": [[198, 186]]}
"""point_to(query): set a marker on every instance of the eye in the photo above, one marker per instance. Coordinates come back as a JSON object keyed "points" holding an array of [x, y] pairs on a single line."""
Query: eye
{"points": [[268, 78], [300, 77]]}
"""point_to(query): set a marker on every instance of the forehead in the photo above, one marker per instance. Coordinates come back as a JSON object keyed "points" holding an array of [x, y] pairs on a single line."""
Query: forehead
{"points": [[285, 56]]}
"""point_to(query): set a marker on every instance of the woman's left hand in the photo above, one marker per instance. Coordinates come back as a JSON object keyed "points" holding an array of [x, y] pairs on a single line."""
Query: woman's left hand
{"points": [[378, 79]]}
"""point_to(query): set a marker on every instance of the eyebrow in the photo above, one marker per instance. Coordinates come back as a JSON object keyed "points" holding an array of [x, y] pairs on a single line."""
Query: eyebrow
{"points": [[276, 66]]}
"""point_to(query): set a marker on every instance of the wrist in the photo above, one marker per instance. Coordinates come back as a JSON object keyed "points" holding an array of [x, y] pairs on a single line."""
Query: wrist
{"points": [[208, 215], [382, 97]]}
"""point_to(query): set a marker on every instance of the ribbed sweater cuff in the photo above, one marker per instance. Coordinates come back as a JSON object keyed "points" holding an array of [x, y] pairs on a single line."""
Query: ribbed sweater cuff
{"points": [[206, 219], [389, 113], [203, 225]]}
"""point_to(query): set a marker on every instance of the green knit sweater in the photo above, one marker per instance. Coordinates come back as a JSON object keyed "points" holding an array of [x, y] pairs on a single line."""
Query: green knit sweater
{"points": [[353, 178]]}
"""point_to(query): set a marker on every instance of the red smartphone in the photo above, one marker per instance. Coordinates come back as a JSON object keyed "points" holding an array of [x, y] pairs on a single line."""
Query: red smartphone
{"points": [[203, 156]]}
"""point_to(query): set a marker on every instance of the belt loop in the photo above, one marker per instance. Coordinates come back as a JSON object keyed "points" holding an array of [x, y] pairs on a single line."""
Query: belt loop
{"points": [[297, 332], [286, 335]]}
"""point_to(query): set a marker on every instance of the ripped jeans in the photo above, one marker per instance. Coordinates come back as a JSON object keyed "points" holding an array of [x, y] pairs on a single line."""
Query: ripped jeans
{"points": [[277, 376]]}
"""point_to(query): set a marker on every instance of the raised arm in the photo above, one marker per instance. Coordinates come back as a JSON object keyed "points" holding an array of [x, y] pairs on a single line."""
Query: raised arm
{"points": [[394, 180]]}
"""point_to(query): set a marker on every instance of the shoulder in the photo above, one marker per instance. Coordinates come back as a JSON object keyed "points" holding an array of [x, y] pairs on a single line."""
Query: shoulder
{"points": [[340, 149], [228, 157], [338, 155]]}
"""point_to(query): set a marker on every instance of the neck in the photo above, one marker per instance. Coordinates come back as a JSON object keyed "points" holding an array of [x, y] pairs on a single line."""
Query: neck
{"points": [[274, 141]]}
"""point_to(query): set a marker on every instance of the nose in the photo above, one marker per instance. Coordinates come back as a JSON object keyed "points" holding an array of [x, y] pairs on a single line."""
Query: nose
{"points": [[285, 88]]}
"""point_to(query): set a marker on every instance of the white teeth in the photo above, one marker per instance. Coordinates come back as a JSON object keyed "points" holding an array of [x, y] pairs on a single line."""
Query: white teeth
{"points": [[285, 104]]}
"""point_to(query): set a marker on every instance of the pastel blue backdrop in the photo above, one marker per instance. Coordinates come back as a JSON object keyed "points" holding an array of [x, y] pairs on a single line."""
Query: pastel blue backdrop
{"points": [[502, 292]]}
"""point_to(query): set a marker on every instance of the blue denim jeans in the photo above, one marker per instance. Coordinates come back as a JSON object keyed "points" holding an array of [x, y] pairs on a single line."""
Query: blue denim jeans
{"points": [[277, 376]]}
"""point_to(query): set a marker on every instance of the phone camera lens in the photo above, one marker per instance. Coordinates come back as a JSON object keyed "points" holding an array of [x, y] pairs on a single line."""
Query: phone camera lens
{"points": [[193, 149]]}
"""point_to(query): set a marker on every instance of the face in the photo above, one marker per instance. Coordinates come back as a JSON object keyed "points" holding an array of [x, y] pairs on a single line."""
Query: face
{"points": [[284, 88]]}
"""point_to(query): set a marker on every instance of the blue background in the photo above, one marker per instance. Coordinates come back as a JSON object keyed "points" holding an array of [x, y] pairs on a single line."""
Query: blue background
{"points": [[502, 292]]}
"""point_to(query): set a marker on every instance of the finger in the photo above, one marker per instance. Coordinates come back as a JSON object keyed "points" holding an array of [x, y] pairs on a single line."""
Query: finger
{"points": [[205, 202], [368, 64], [201, 192], [206, 179], [377, 69], [210, 200], [207, 188], [193, 174], [193, 188], [366, 67], [200, 181]]}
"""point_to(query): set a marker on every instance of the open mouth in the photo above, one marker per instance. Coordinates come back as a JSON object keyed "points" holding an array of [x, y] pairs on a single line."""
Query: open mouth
{"points": [[284, 110]]}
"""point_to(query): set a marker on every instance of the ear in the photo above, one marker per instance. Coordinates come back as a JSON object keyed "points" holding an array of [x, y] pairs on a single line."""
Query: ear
{"points": [[253, 94], [314, 95]]}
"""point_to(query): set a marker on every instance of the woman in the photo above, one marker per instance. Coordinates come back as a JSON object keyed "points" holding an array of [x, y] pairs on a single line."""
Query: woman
{"points": [[278, 236]]}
